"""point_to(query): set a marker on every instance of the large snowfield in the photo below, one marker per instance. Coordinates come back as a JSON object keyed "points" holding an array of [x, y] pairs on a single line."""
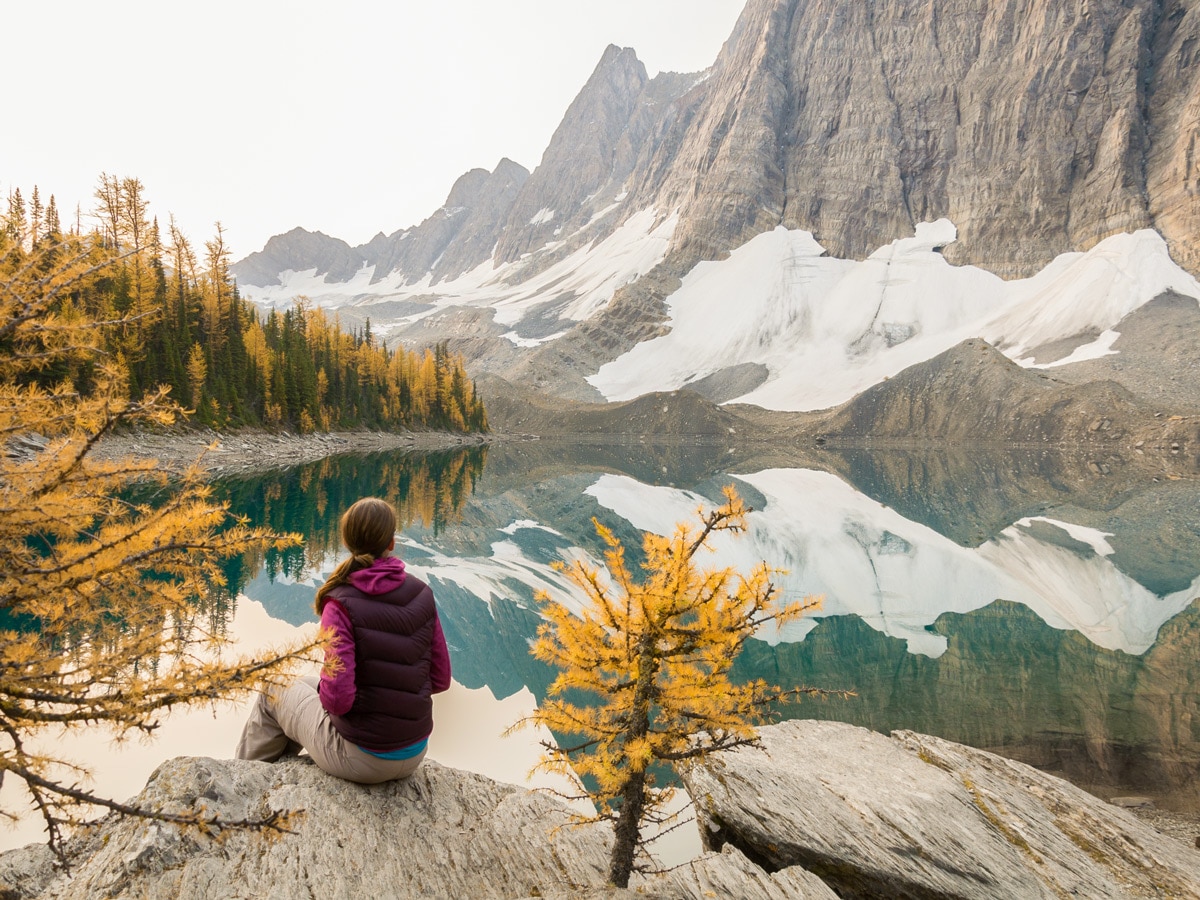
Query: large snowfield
{"points": [[824, 328], [827, 329]]}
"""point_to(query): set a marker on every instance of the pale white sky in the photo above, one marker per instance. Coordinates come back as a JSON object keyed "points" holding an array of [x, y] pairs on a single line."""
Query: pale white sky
{"points": [[348, 118]]}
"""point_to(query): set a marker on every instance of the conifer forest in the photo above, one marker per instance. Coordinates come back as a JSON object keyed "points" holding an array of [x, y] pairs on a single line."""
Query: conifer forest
{"points": [[181, 323]]}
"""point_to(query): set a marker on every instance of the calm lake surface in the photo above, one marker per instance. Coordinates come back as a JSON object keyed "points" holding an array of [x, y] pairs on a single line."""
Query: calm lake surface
{"points": [[1019, 602]]}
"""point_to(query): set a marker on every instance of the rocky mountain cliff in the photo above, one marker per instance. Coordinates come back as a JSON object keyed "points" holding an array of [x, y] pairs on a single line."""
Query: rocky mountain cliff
{"points": [[1021, 130], [603, 137], [1036, 127], [1030, 125]]}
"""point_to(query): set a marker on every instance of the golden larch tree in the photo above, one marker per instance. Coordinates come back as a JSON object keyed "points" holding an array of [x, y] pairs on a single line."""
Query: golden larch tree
{"points": [[644, 671], [103, 620]]}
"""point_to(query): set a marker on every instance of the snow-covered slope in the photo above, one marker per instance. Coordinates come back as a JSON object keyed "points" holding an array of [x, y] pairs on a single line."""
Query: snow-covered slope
{"points": [[569, 291], [827, 329], [823, 329]]}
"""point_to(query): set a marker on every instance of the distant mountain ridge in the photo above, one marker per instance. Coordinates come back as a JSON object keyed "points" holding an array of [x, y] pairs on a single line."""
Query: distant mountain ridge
{"points": [[1036, 129], [455, 239]]}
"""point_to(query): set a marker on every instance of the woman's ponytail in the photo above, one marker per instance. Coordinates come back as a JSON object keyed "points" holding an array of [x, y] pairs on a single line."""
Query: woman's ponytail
{"points": [[368, 530]]}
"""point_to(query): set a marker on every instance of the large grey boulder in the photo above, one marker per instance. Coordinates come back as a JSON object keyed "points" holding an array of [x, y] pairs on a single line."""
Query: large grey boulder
{"points": [[916, 816], [730, 874], [441, 833]]}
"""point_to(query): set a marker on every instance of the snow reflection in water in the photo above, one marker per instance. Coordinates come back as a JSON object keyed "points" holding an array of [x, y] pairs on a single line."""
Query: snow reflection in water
{"points": [[1012, 615]]}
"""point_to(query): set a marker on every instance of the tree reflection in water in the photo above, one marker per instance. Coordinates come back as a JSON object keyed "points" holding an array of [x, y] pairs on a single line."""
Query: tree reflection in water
{"points": [[427, 489], [1007, 681]]}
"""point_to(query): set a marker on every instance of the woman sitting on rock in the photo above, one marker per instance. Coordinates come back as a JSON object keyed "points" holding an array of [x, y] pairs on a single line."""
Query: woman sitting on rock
{"points": [[369, 716]]}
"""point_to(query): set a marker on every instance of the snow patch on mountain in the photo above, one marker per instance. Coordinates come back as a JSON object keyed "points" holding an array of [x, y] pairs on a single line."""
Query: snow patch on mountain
{"points": [[587, 279], [1101, 346], [826, 329], [581, 284]]}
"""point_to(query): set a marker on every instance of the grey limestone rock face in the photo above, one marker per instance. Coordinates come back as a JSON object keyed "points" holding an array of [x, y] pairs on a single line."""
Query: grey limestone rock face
{"points": [[1036, 127], [1173, 120], [913, 816]]}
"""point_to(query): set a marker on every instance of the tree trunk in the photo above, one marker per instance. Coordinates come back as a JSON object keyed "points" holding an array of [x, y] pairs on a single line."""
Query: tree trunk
{"points": [[626, 831]]}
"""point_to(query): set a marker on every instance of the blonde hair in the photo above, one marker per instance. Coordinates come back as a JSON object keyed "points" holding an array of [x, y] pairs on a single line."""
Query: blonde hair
{"points": [[368, 529]]}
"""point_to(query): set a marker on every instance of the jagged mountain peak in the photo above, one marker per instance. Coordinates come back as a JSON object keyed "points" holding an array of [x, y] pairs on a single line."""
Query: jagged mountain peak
{"points": [[298, 250], [461, 234], [825, 131], [507, 168], [584, 161]]}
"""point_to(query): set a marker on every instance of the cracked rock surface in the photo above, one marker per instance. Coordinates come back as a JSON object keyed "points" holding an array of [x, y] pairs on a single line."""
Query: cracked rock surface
{"points": [[915, 816]]}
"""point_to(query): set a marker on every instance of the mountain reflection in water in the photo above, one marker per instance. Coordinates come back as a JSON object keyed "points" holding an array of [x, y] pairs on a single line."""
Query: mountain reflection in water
{"points": [[1021, 602]]}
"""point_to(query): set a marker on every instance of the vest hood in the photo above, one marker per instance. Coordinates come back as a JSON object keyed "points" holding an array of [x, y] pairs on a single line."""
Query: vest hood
{"points": [[383, 575]]}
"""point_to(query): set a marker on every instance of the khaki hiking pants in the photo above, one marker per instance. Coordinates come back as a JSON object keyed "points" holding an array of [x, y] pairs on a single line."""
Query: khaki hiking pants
{"points": [[284, 719]]}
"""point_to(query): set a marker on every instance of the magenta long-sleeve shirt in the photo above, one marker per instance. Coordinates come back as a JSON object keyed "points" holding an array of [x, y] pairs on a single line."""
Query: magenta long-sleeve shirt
{"points": [[337, 679]]}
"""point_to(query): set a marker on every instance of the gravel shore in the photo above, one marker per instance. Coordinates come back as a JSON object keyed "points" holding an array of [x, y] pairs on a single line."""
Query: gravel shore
{"points": [[251, 450]]}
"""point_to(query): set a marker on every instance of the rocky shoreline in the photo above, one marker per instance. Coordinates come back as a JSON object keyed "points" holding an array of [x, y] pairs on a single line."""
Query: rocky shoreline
{"points": [[248, 450]]}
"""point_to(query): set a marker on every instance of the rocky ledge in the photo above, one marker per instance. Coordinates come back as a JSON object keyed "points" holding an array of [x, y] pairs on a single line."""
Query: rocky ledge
{"points": [[913, 816], [440, 833], [821, 810]]}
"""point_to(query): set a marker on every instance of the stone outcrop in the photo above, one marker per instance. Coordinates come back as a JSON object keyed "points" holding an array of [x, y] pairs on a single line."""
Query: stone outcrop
{"points": [[973, 394], [731, 874], [1157, 356], [915, 816], [821, 810], [440, 833]]}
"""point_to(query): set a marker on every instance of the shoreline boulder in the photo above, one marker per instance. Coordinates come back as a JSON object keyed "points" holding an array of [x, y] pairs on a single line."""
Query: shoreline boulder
{"points": [[914, 816]]}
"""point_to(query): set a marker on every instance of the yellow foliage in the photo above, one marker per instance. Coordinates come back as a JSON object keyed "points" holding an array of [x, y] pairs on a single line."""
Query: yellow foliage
{"points": [[101, 594], [647, 663]]}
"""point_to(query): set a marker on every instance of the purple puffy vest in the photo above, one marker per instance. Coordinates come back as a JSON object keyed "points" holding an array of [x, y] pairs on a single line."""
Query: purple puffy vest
{"points": [[393, 632]]}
